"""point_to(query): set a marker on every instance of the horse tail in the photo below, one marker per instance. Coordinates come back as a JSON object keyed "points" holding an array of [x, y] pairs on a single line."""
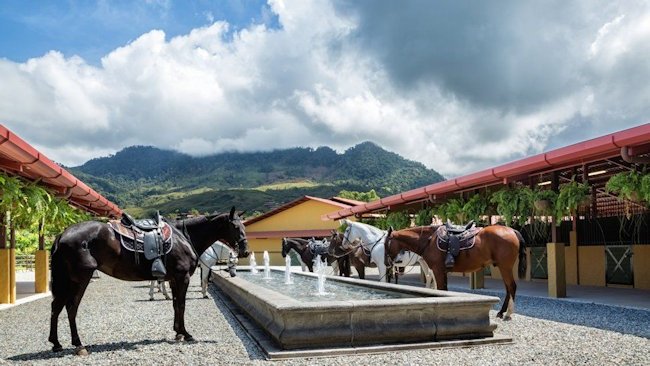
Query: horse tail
{"points": [[59, 273], [522, 255]]}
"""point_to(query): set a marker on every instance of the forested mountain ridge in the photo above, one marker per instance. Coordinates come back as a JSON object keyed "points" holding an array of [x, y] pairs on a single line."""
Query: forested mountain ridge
{"points": [[145, 176]]}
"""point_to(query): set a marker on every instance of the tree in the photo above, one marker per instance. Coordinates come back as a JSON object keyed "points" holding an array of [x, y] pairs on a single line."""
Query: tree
{"points": [[369, 196]]}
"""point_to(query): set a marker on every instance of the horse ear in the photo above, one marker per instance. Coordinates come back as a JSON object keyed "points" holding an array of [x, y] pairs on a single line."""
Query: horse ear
{"points": [[232, 212], [390, 231]]}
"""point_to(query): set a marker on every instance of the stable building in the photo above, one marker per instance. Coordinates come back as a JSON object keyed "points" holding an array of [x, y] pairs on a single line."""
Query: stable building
{"points": [[300, 218], [606, 243]]}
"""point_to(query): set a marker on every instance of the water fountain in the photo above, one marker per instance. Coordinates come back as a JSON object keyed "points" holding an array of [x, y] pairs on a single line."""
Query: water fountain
{"points": [[368, 313], [320, 272], [287, 271], [253, 263], [267, 268]]}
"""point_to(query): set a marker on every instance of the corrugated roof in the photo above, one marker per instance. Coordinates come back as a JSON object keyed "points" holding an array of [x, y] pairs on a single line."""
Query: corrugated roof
{"points": [[598, 149], [18, 157]]}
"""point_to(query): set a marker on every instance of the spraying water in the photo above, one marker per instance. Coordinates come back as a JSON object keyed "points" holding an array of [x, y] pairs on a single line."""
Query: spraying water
{"points": [[253, 264], [267, 269], [320, 271], [287, 271]]}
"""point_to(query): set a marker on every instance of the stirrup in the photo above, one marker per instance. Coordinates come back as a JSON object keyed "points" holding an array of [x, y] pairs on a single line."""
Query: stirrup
{"points": [[449, 261], [158, 269]]}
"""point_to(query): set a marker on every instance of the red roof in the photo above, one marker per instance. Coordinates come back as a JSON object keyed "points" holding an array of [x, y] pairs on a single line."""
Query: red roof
{"points": [[295, 203], [20, 158], [603, 147]]}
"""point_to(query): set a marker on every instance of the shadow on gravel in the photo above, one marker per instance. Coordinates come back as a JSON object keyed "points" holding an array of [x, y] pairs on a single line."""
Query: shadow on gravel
{"points": [[606, 317], [253, 350], [96, 348]]}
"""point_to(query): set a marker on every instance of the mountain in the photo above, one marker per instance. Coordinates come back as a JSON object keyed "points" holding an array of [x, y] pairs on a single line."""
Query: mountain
{"points": [[145, 178]]}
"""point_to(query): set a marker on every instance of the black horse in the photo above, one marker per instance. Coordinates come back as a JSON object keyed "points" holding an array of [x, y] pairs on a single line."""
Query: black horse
{"points": [[308, 249], [88, 246]]}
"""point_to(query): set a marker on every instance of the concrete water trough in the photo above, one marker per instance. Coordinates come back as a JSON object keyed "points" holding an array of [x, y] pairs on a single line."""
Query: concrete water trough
{"points": [[415, 316]]}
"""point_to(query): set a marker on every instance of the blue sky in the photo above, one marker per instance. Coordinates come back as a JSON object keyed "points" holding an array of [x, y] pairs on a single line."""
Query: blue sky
{"points": [[457, 85], [91, 29]]}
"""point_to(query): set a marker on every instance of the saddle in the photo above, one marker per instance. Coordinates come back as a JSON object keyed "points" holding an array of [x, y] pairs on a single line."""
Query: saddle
{"points": [[317, 247], [451, 239], [152, 237]]}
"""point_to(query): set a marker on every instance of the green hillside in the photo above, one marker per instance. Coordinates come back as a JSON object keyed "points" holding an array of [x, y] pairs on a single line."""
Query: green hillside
{"points": [[143, 178]]}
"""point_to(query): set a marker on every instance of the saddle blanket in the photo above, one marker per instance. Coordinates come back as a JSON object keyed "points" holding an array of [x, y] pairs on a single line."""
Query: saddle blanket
{"points": [[466, 239], [133, 239]]}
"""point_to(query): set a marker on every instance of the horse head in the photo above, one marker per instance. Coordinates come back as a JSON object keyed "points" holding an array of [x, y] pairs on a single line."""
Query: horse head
{"points": [[335, 246], [285, 247], [391, 249], [235, 234]]}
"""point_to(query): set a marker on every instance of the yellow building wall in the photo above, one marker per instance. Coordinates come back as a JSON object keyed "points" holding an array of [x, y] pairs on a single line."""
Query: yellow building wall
{"points": [[258, 246], [641, 266], [305, 216], [591, 261]]}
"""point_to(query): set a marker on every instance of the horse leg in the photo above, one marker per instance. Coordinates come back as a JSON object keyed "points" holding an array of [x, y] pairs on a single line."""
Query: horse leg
{"points": [[164, 290], [511, 288], [361, 270], [151, 286], [181, 285], [57, 306], [77, 291], [441, 278], [204, 282]]}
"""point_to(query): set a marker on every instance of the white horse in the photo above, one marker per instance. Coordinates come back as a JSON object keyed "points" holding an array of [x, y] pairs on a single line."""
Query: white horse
{"points": [[408, 258], [216, 253], [160, 285], [372, 240]]}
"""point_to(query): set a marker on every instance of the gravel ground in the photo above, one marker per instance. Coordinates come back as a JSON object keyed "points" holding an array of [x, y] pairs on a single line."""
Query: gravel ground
{"points": [[129, 329]]}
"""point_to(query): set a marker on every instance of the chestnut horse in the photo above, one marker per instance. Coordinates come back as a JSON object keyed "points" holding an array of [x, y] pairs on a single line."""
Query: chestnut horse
{"points": [[496, 244], [88, 246]]}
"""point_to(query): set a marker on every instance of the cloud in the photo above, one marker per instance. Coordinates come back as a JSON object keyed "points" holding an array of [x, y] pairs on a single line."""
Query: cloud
{"points": [[457, 87]]}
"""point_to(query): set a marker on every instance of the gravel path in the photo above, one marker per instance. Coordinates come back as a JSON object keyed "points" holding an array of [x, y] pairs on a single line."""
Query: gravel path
{"points": [[130, 330]]}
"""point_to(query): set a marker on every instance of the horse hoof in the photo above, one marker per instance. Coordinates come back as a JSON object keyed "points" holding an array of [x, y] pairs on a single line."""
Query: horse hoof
{"points": [[500, 315], [506, 318], [189, 338], [180, 338], [205, 296], [57, 348], [151, 299], [81, 351]]}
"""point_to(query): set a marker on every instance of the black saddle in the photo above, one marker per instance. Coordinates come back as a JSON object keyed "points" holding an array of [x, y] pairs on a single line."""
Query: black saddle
{"points": [[142, 224], [454, 238], [458, 229], [153, 235]]}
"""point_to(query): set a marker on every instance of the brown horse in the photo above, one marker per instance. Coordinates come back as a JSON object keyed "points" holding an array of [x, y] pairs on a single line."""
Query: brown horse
{"points": [[496, 244], [88, 246]]}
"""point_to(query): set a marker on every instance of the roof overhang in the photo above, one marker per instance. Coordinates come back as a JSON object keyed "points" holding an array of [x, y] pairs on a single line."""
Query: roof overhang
{"points": [[598, 149], [18, 157]]}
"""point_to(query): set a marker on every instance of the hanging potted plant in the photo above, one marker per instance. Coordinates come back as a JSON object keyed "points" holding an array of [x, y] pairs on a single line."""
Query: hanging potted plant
{"points": [[475, 207], [571, 196], [513, 202], [544, 201], [424, 217], [626, 185]]}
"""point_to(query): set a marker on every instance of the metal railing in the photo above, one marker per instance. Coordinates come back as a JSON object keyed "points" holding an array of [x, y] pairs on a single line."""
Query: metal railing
{"points": [[25, 262]]}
